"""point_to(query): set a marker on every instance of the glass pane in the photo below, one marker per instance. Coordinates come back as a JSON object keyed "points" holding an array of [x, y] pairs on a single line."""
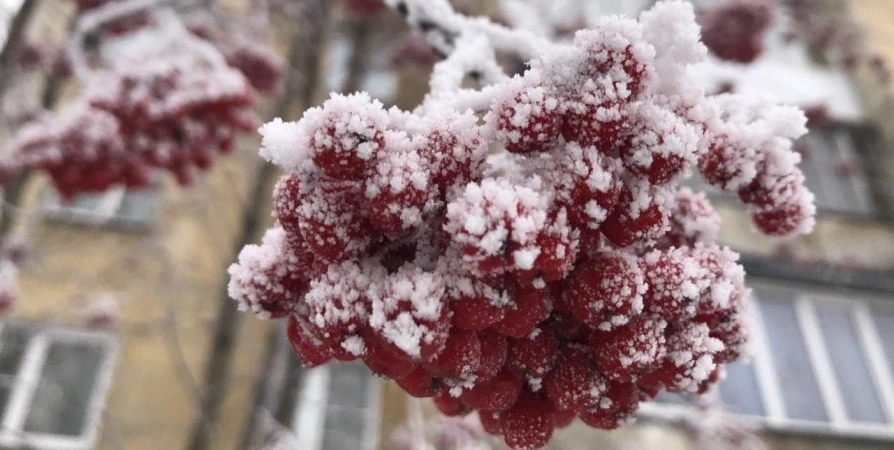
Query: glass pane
{"points": [[884, 324], [669, 398], [139, 206], [739, 391], [800, 391], [849, 364], [347, 414], [13, 344], [66, 386]]}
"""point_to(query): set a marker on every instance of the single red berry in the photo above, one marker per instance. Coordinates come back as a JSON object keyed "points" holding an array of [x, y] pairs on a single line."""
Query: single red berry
{"points": [[450, 406], [310, 350], [461, 355], [605, 291], [420, 384], [530, 307], [568, 386], [535, 354], [494, 348], [631, 350], [529, 424], [638, 217], [490, 421], [497, 394]]}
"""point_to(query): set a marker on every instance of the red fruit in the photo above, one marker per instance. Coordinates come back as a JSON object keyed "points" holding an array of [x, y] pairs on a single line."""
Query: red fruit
{"points": [[734, 30], [261, 67], [490, 421], [310, 350], [595, 121], [338, 308], [562, 418], [639, 217], [531, 306], [420, 384], [659, 146], [614, 51], [605, 291], [345, 134], [331, 220], [689, 359], [409, 313], [787, 219], [568, 385], [450, 406], [735, 334], [534, 354], [586, 185], [673, 280], [631, 350], [461, 355], [398, 188], [527, 118], [455, 149], [497, 394], [614, 405], [692, 220], [494, 348], [558, 250], [477, 307], [385, 363], [269, 279], [286, 201], [529, 424]]}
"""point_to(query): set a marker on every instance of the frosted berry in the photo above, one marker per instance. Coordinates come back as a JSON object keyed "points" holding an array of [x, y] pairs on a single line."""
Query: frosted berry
{"points": [[530, 307], [420, 384], [497, 394], [345, 135], [461, 355], [631, 350], [494, 349], [605, 291], [529, 424], [534, 354], [310, 350], [527, 118], [641, 215], [450, 406], [332, 222], [568, 386], [490, 421]]}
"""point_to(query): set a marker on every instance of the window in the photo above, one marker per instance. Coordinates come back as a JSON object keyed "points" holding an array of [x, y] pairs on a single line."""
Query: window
{"points": [[338, 408], [819, 365], [833, 170], [118, 207], [53, 385]]}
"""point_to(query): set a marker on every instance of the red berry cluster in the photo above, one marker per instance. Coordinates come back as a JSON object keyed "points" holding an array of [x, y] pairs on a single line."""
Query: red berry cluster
{"points": [[734, 30], [747, 157], [259, 64], [565, 278], [133, 120]]}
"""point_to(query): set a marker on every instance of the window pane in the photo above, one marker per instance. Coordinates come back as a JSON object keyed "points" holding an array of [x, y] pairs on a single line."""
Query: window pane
{"points": [[884, 323], [740, 392], [800, 391], [849, 364], [66, 386], [13, 343], [139, 206], [347, 413]]}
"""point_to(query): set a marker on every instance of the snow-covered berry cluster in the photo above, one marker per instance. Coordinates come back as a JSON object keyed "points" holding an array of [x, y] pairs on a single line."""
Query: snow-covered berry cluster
{"points": [[734, 30], [751, 154], [170, 114], [565, 277]]}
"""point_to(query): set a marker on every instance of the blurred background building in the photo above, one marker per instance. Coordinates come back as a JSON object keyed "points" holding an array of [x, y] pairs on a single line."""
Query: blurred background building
{"points": [[125, 338]]}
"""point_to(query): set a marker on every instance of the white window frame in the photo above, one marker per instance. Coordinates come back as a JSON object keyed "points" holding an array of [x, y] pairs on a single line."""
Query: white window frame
{"points": [[23, 390], [775, 418], [309, 421]]}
